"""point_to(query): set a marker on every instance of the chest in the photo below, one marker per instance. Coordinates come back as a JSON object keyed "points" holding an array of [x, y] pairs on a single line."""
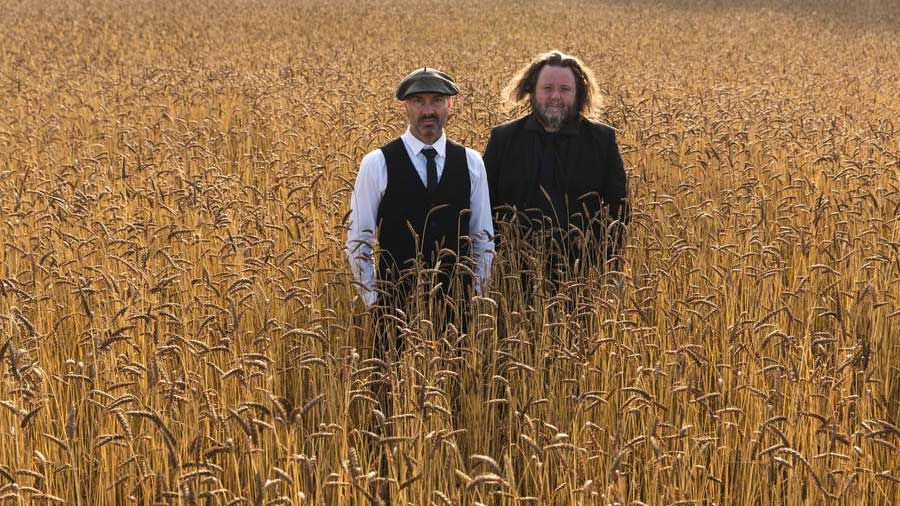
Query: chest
{"points": [[575, 161], [406, 194]]}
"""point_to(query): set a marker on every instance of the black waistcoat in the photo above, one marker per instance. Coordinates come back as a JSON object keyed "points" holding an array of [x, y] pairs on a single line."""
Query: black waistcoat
{"points": [[413, 222]]}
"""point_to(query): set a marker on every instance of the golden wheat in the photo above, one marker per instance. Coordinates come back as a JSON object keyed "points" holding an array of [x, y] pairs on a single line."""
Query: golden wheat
{"points": [[178, 324]]}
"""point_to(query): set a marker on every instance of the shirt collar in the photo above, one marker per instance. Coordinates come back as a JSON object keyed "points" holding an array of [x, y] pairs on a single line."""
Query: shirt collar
{"points": [[570, 128], [415, 145]]}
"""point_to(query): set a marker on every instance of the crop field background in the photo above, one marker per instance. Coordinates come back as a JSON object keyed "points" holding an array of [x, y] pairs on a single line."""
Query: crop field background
{"points": [[178, 323]]}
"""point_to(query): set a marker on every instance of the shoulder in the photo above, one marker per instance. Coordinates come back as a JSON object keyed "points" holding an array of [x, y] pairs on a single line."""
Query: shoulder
{"points": [[372, 164], [507, 128], [475, 164], [474, 159], [599, 128], [372, 158]]}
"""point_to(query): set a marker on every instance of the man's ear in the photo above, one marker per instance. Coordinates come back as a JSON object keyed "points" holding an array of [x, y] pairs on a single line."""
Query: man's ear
{"points": [[450, 102]]}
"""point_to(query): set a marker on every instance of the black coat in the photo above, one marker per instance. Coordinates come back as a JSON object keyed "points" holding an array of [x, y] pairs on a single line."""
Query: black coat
{"points": [[590, 174]]}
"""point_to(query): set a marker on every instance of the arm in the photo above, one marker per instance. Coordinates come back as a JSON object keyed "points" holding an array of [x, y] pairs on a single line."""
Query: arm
{"points": [[491, 165], [615, 194], [493, 153], [367, 192], [615, 189], [481, 226]]}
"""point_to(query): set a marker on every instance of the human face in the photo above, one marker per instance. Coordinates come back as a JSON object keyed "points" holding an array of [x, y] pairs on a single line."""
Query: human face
{"points": [[427, 114], [554, 97]]}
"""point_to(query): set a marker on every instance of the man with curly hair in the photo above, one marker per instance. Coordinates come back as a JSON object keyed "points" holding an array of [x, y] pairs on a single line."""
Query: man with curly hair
{"points": [[556, 177]]}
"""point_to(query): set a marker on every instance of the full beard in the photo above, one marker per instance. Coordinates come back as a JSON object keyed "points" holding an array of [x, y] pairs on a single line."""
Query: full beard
{"points": [[553, 118]]}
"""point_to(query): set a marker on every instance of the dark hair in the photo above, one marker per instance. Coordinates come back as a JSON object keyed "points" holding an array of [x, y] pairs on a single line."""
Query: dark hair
{"points": [[523, 84]]}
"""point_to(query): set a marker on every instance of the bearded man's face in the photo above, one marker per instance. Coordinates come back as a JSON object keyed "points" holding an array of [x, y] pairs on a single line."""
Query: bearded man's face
{"points": [[427, 114], [554, 97]]}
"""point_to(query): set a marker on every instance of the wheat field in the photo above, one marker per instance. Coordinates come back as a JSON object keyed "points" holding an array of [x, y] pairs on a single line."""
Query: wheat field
{"points": [[178, 324]]}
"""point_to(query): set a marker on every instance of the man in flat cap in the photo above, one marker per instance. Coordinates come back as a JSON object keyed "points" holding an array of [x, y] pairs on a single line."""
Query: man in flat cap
{"points": [[556, 176], [424, 200]]}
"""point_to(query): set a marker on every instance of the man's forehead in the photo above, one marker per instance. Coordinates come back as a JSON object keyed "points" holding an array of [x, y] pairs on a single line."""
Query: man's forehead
{"points": [[557, 72]]}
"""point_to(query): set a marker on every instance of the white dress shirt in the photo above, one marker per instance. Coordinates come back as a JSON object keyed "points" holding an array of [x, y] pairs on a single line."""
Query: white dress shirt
{"points": [[371, 183]]}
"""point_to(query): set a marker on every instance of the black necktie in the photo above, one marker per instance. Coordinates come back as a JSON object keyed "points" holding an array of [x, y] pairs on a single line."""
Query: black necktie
{"points": [[431, 166]]}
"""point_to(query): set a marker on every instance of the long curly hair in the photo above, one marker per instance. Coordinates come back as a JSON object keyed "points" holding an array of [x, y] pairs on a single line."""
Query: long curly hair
{"points": [[521, 87]]}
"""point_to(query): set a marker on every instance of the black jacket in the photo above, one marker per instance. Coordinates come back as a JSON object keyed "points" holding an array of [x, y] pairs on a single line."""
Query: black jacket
{"points": [[589, 169]]}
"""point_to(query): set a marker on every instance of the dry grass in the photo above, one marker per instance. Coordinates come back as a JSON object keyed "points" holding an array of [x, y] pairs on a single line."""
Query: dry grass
{"points": [[177, 325]]}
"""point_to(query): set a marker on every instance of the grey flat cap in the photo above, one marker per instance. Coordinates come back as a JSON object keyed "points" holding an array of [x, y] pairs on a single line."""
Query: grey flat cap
{"points": [[426, 80]]}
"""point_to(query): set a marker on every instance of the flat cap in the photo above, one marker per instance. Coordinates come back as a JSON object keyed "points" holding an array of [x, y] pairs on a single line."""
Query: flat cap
{"points": [[426, 80]]}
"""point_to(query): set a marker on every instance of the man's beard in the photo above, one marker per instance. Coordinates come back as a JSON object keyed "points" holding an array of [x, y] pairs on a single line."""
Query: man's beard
{"points": [[555, 119]]}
